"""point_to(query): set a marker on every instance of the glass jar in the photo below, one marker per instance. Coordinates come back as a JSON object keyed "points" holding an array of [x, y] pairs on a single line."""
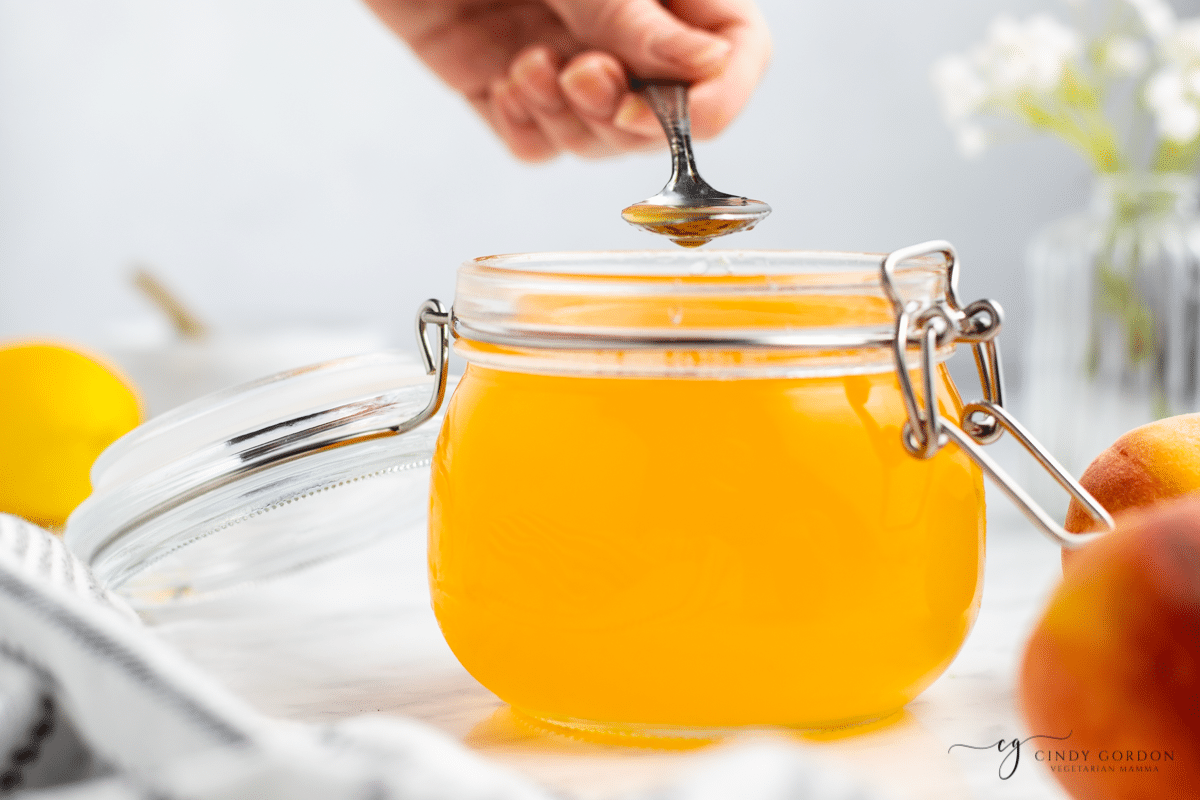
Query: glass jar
{"points": [[1114, 340], [671, 493], [674, 493]]}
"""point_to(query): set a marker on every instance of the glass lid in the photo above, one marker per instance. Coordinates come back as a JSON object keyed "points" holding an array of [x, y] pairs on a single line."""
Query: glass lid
{"points": [[259, 480]]}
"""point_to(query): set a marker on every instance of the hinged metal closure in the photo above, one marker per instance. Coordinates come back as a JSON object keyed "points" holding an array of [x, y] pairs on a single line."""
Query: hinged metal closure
{"points": [[434, 357], [983, 422]]}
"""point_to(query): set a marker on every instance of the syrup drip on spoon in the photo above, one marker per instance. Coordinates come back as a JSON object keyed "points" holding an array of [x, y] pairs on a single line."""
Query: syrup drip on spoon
{"points": [[688, 211]]}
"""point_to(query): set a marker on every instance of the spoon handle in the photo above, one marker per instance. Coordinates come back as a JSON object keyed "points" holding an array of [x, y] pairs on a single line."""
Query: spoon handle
{"points": [[669, 102]]}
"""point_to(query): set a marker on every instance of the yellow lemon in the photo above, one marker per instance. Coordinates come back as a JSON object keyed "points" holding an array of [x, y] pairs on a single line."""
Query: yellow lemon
{"points": [[58, 409]]}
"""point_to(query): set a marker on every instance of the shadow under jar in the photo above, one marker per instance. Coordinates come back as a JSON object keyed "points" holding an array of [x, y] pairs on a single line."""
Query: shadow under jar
{"points": [[644, 522]]}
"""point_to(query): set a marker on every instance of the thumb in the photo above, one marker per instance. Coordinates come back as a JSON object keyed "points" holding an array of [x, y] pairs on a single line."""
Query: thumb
{"points": [[650, 40]]}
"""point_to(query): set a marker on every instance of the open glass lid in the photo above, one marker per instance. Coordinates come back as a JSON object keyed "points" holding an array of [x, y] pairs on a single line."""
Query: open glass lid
{"points": [[261, 479]]}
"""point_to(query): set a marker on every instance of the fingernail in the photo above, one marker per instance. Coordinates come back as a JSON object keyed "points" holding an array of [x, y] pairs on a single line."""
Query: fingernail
{"points": [[634, 116], [535, 77], [699, 51], [590, 89], [505, 95]]}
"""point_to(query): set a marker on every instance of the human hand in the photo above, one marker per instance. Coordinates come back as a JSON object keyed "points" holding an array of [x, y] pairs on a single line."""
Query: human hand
{"points": [[550, 75]]}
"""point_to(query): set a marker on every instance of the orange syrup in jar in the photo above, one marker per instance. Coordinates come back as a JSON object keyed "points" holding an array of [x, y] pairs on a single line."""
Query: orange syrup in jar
{"points": [[655, 554]]}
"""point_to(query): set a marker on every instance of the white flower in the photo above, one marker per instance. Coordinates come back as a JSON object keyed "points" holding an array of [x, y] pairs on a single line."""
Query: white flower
{"points": [[1183, 45], [1179, 123], [1125, 56], [1027, 56], [1165, 88], [1016, 57], [1173, 92], [1171, 97], [1157, 17], [962, 89]]}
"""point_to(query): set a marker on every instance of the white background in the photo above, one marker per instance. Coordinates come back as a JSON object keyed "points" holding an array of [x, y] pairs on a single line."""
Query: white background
{"points": [[283, 162]]}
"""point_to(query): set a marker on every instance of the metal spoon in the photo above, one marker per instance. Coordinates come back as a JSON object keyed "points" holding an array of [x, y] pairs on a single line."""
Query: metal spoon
{"points": [[688, 211]]}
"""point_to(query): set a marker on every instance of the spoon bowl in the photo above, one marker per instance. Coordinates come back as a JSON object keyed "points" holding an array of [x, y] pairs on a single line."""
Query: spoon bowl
{"points": [[688, 211]]}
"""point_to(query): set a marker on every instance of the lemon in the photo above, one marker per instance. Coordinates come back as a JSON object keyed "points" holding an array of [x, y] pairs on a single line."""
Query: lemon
{"points": [[58, 409]]}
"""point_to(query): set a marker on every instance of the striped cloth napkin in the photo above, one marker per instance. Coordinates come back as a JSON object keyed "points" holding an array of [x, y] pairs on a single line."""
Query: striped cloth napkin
{"points": [[93, 705]]}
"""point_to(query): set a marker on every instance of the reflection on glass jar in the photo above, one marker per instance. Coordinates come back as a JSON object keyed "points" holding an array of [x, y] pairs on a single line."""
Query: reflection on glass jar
{"points": [[674, 534]]}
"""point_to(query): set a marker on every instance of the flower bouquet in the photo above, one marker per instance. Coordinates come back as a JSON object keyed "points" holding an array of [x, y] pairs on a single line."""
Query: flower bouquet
{"points": [[1114, 339]]}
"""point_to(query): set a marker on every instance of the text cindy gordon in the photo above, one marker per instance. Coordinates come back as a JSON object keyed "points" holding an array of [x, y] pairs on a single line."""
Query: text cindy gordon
{"points": [[1104, 760]]}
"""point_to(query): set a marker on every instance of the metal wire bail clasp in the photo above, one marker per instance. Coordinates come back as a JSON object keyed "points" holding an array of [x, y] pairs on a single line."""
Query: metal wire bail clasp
{"points": [[434, 356], [925, 431]]}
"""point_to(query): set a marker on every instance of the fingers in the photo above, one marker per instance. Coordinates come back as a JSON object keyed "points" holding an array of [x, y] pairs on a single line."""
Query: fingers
{"points": [[516, 127], [645, 36], [716, 100], [542, 108], [535, 72], [596, 87], [594, 84], [720, 46], [635, 116], [549, 76]]}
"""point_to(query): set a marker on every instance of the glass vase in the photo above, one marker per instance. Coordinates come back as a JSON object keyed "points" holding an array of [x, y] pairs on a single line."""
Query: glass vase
{"points": [[1115, 299]]}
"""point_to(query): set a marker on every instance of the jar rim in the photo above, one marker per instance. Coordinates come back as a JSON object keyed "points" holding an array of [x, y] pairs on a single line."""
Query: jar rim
{"points": [[698, 266], [511, 311]]}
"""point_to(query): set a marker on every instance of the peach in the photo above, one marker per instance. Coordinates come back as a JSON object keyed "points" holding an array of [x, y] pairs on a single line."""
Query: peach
{"points": [[1147, 465], [1114, 664]]}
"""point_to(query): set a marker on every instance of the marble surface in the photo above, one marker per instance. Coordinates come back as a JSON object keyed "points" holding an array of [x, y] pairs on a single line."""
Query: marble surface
{"points": [[357, 636]]}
